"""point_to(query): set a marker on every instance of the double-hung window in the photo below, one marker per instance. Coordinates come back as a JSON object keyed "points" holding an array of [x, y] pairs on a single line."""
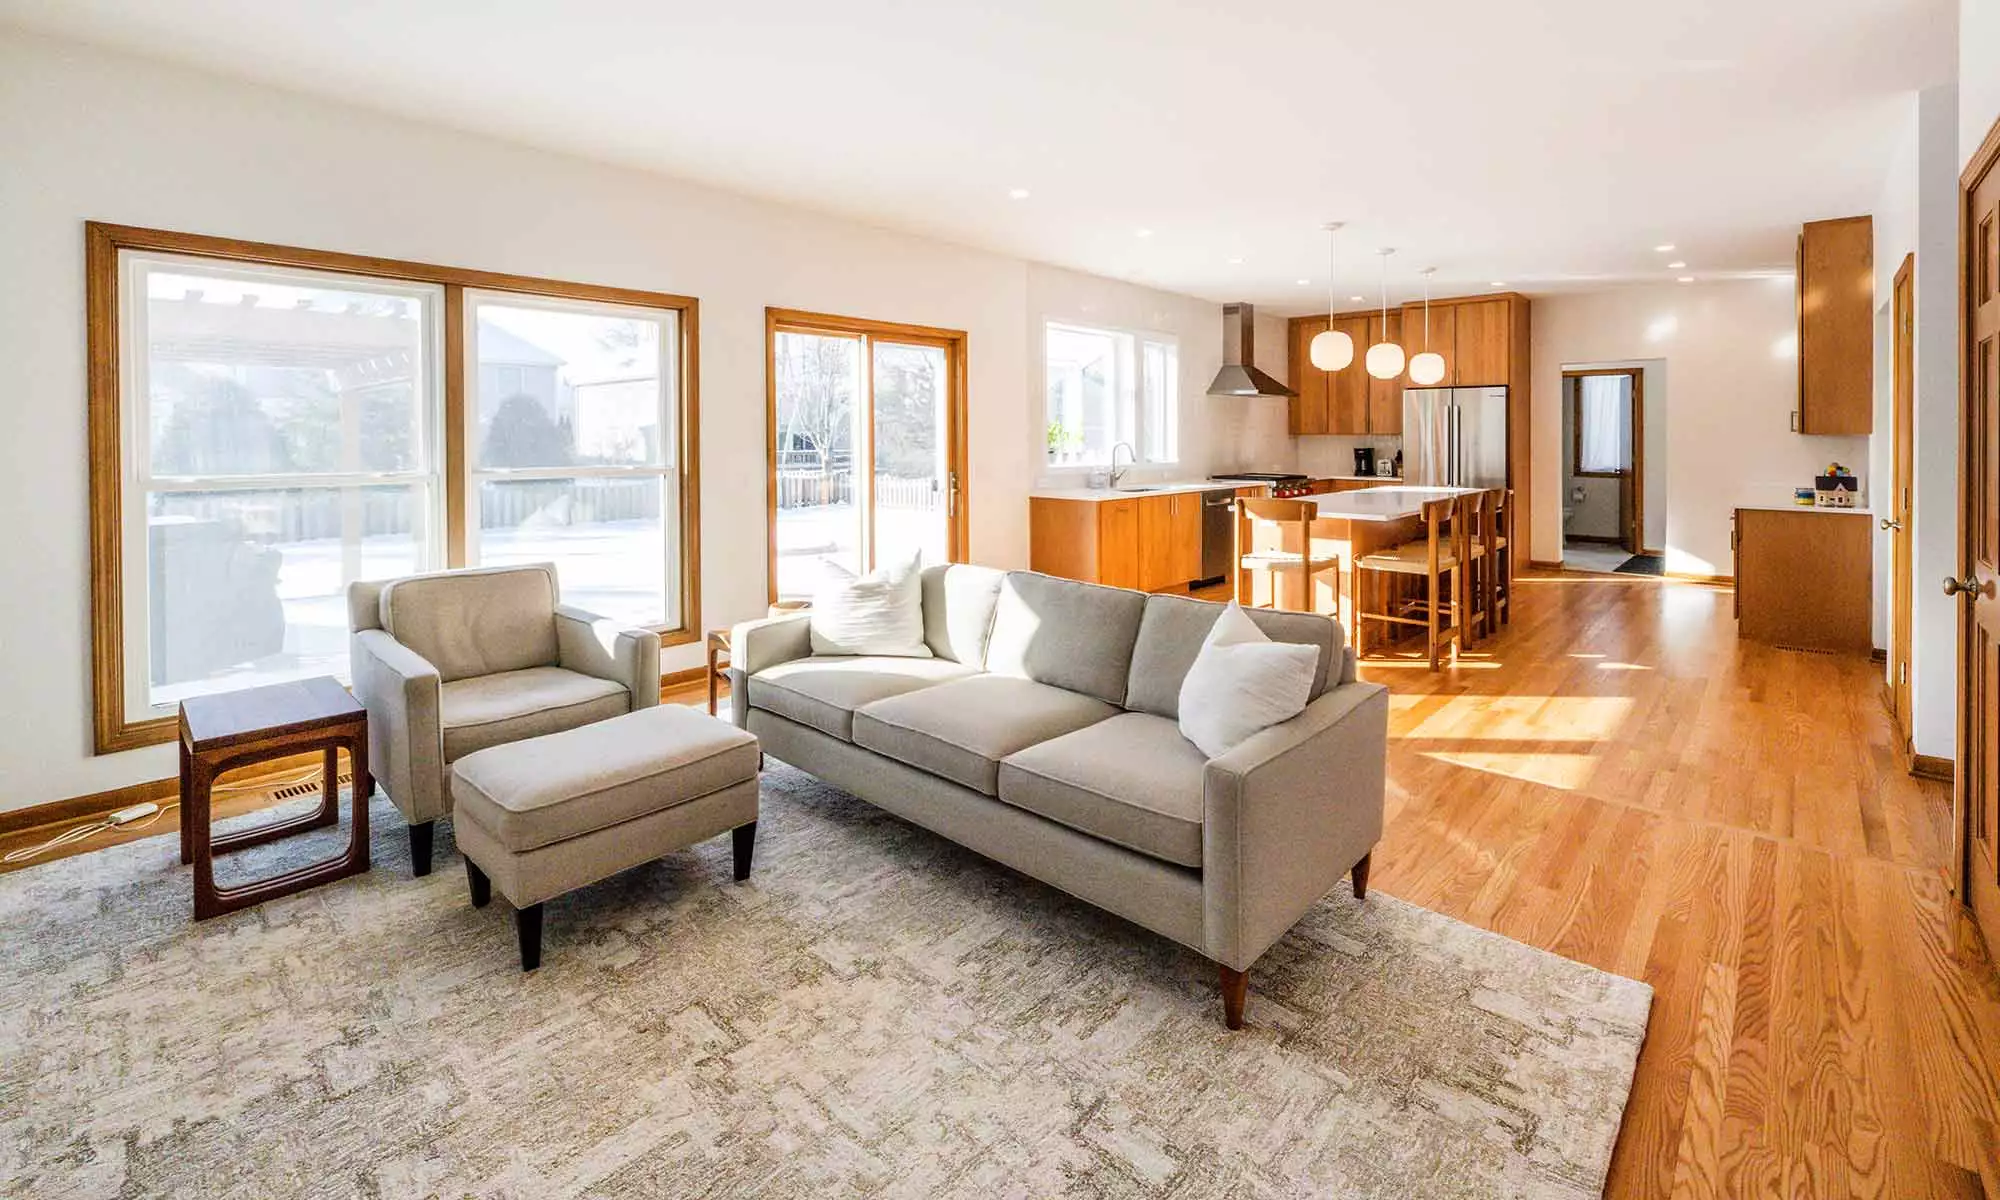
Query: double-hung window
{"points": [[1107, 386], [269, 425]]}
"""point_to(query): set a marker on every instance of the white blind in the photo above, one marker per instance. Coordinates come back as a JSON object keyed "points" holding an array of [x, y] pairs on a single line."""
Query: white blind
{"points": [[1604, 417]]}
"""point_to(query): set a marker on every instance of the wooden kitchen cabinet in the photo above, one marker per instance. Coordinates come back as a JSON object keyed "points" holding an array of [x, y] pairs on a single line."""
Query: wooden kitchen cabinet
{"points": [[1150, 543], [1836, 327], [1169, 540], [1308, 409], [1444, 323], [1481, 337], [1347, 389], [1804, 578], [1385, 396]]}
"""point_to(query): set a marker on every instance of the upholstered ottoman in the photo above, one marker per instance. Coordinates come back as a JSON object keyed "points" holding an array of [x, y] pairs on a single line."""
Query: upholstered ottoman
{"points": [[550, 814]]}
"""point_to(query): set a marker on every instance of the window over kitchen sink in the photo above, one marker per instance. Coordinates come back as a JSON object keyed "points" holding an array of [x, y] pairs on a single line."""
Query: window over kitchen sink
{"points": [[1107, 386]]}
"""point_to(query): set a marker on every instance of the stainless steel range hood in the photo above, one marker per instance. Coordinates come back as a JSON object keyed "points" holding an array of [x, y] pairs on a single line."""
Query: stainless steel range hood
{"points": [[1239, 375]]}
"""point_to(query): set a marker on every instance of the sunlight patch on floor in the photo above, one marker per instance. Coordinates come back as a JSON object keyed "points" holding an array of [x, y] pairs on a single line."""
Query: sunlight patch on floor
{"points": [[1567, 772], [1511, 718]]}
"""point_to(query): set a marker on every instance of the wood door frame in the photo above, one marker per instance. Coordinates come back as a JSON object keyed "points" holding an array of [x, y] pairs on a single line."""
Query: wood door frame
{"points": [[1637, 528], [1902, 452], [1984, 160], [951, 341]]}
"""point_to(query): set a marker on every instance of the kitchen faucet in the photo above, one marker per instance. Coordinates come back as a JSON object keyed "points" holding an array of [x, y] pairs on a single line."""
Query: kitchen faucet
{"points": [[1117, 474]]}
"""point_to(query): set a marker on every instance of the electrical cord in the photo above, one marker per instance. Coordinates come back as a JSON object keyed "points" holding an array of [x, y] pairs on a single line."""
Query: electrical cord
{"points": [[150, 813]]}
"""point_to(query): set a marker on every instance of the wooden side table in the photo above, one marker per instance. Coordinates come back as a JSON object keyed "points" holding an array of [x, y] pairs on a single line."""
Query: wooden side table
{"points": [[236, 729], [718, 662]]}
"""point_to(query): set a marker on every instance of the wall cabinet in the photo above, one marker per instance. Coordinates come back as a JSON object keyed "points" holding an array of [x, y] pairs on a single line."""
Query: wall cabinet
{"points": [[1385, 396], [1441, 339], [1836, 327], [1151, 543], [1347, 388], [1308, 409], [1482, 338]]}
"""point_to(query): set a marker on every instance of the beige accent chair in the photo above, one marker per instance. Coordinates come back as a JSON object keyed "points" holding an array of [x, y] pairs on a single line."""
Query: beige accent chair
{"points": [[1043, 732], [453, 662]]}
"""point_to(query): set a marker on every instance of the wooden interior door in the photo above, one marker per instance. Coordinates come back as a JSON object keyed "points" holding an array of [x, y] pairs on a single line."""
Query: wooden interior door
{"points": [[1979, 526], [1897, 517]]}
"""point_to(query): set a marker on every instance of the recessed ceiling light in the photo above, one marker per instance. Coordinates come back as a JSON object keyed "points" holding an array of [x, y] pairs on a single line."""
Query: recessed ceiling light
{"points": [[1305, 283], [1664, 248], [1357, 299], [1236, 260], [1499, 283], [1142, 233], [1686, 279], [1675, 265], [1017, 193]]}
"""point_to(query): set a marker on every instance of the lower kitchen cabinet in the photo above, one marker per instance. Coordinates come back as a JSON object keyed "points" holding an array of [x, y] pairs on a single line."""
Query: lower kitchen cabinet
{"points": [[1804, 578], [1152, 543]]}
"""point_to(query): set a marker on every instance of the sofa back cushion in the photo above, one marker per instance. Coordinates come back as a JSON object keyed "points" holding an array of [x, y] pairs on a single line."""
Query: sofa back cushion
{"points": [[958, 610], [481, 622], [1173, 628], [1075, 636]]}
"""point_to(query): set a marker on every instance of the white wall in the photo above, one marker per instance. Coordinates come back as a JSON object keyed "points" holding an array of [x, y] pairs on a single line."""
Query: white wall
{"points": [[1978, 73], [1217, 433], [1730, 347], [1916, 213], [90, 135]]}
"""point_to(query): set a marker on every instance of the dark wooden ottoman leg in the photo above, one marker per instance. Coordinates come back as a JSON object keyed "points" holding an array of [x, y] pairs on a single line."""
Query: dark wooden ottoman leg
{"points": [[743, 839], [482, 887], [420, 848], [528, 925]]}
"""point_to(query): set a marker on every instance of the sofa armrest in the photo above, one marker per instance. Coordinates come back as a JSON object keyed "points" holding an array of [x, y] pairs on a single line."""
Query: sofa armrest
{"points": [[754, 645], [592, 645], [400, 690], [1286, 814]]}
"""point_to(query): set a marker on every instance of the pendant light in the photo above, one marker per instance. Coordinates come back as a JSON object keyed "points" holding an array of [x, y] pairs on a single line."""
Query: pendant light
{"points": [[1331, 348], [1385, 358], [1427, 368]]}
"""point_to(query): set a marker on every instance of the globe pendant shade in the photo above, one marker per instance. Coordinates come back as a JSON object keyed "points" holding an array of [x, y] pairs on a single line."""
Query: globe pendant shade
{"points": [[1332, 350], [1427, 368], [1385, 360]]}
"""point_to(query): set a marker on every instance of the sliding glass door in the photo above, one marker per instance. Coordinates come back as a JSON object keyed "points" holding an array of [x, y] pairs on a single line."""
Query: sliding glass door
{"points": [[866, 447]]}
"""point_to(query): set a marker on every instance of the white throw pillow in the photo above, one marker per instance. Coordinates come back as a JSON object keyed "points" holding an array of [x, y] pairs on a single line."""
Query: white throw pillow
{"points": [[1242, 682], [882, 612]]}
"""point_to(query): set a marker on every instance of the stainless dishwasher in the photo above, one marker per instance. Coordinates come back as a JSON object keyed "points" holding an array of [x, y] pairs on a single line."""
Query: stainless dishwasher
{"points": [[1218, 534]]}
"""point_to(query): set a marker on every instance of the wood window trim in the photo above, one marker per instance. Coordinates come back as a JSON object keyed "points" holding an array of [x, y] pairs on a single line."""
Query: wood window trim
{"points": [[952, 341], [113, 728], [1576, 421]]}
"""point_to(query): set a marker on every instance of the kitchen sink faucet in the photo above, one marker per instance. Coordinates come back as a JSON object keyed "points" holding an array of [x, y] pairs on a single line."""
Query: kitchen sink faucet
{"points": [[1116, 473]]}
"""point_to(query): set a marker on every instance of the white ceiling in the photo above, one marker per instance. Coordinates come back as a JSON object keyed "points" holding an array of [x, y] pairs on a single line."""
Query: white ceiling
{"points": [[1547, 143]]}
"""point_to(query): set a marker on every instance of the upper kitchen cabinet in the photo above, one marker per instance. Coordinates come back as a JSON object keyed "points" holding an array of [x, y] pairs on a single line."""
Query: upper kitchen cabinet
{"points": [[1442, 338], [1482, 335], [1308, 409], [1836, 318], [1385, 396], [1347, 388]]}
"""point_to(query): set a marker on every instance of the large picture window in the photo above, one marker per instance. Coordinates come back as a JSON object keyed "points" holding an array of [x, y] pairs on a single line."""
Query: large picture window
{"points": [[1107, 386], [270, 424]]}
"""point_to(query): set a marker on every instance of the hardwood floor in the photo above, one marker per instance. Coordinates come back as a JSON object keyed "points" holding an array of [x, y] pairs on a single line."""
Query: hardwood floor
{"points": [[1617, 779]]}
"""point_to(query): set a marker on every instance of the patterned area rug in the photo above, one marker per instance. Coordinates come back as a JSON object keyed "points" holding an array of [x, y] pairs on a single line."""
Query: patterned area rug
{"points": [[876, 1013]]}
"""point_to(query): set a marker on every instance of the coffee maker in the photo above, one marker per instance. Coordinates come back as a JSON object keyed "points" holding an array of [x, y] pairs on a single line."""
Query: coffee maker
{"points": [[1364, 460]]}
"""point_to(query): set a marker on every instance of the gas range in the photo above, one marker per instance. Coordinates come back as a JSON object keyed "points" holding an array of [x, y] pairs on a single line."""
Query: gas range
{"points": [[1283, 484]]}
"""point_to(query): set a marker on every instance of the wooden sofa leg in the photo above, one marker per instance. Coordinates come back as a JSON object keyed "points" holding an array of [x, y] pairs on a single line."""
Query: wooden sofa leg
{"points": [[482, 887], [1235, 991], [743, 841], [528, 929], [1361, 876], [420, 848]]}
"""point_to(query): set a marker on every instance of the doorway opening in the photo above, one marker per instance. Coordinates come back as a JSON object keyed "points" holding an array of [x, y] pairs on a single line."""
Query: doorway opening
{"points": [[865, 423], [1604, 462]]}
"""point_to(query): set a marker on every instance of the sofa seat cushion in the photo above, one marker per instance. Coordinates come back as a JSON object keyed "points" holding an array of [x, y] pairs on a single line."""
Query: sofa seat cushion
{"points": [[533, 794], [492, 710], [1133, 780], [824, 691], [961, 730]]}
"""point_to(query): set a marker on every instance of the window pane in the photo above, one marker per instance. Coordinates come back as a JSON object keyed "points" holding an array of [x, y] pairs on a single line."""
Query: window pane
{"points": [[607, 537], [567, 388], [818, 385], [1161, 402], [246, 588], [272, 373], [1083, 395], [910, 470]]}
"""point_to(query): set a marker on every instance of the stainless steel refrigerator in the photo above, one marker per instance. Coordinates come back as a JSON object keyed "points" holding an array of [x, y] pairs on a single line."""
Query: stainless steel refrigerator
{"points": [[1455, 437]]}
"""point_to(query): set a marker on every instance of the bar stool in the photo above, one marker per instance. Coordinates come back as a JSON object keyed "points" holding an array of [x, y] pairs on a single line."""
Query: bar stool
{"points": [[1436, 557], [1280, 516], [1499, 534], [1475, 509]]}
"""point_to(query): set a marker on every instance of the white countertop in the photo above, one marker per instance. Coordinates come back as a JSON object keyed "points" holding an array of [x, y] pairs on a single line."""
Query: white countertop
{"points": [[1171, 487], [1809, 508], [1384, 503]]}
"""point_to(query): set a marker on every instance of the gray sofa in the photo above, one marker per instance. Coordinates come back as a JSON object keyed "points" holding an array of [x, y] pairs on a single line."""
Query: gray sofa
{"points": [[1043, 735]]}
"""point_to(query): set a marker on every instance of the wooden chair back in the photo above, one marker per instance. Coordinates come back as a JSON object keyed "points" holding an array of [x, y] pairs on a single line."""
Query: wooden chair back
{"points": [[1442, 530]]}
